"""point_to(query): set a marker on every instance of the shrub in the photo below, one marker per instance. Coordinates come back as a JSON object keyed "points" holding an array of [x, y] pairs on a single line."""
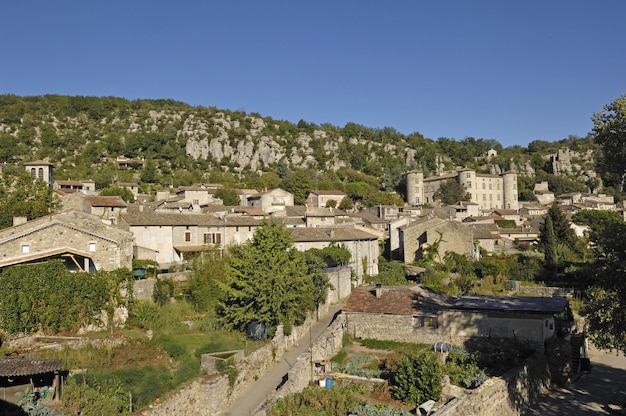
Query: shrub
{"points": [[462, 368], [417, 378]]}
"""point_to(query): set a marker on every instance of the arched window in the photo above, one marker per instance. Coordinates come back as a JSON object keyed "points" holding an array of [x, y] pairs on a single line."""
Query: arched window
{"points": [[40, 173], [33, 172]]}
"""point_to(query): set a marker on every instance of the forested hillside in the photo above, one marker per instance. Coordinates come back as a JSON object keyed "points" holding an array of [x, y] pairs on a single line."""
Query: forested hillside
{"points": [[180, 144]]}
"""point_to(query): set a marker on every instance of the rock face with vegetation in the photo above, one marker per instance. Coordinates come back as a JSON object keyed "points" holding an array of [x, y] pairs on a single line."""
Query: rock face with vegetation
{"points": [[83, 137]]}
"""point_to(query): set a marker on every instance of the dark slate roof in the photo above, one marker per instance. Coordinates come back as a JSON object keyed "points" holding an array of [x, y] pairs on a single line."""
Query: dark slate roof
{"points": [[525, 304], [26, 366]]}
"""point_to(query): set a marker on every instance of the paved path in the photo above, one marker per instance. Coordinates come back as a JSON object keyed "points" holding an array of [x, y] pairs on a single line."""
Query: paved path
{"points": [[267, 383], [594, 393]]}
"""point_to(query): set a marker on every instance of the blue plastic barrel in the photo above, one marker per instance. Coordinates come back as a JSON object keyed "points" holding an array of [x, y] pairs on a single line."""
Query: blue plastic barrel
{"points": [[329, 383]]}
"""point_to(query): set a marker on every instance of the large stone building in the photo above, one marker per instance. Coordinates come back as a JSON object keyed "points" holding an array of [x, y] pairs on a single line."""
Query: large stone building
{"points": [[419, 314], [82, 240], [488, 191]]}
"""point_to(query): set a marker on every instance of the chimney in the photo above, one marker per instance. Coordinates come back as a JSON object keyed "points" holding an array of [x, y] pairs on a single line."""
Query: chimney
{"points": [[379, 290], [19, 221]]}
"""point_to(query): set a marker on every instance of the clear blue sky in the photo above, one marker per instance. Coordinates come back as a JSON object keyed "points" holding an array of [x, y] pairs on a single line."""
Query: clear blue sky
{"points": [[513, 71]]}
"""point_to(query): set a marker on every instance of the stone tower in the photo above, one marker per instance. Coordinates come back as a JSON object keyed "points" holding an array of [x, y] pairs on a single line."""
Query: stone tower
{"points": [[510, 191], [415, 187], [42, 170]]}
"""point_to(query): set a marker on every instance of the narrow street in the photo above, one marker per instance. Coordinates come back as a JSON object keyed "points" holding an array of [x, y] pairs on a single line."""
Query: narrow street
{"points": [[598, 392], [268, 382]]}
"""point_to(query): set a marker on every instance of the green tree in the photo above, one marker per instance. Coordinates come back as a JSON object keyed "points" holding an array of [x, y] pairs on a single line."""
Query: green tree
{"points": [[25, 197], [149, 173], [125, 193], [559, 242], [451, 192], [604, 304], [266, 281], [229, 196], [299, 183], [417, 378], [346, 204], [208, 270], [609, 131]]}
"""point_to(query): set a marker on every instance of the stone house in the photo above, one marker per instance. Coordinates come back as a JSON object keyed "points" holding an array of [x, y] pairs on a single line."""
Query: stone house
{"points": [[87, 186], [319, 198], [363, 246], [198, 195], [108, 208], [462, 210], [446, 234], [533, 210], [82, 240], [131, 186], [167, 237], [418, 314], [319, 217], [386, 212], [272, 201], [487, 236], [543, 194]]}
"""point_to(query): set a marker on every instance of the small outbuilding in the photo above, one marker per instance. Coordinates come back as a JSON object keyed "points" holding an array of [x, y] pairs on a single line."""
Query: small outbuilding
{"points": [[21, 373]]}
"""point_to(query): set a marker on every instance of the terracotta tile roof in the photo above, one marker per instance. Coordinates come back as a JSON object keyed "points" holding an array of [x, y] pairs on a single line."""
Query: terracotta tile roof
{"points": [[328, 192], [106, 201], [397, 300], [26, 366], [330, 234], [319, 212], [138, 218], [391, 301]]}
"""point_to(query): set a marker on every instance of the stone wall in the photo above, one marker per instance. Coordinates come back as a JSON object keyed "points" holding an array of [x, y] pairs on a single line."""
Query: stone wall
{"points": [[341, 280], [401, 328], [508, 395], [211, 395]]}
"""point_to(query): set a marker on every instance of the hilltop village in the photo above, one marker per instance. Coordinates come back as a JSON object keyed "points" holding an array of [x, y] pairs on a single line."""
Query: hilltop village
{"points": [[170, 226]]}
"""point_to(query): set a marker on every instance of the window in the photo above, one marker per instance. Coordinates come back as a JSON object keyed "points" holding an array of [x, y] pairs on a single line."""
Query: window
{"points": [[92, 247], [187, 236], [483, 185], [160, 237], [212, 238], [146, 237], [40, 174], [25, 249], [425, 321], [278, 201], [490, 187]]}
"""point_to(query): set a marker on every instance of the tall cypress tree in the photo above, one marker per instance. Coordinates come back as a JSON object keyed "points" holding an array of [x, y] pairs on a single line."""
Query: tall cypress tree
{"points": [[549, 245]]}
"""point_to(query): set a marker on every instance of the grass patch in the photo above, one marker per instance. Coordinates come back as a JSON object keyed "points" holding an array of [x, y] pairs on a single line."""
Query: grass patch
{"points": [[402, 347]]}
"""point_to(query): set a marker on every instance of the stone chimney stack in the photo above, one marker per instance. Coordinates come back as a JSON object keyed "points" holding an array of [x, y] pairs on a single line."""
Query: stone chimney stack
{"points": [[379, 290]]}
